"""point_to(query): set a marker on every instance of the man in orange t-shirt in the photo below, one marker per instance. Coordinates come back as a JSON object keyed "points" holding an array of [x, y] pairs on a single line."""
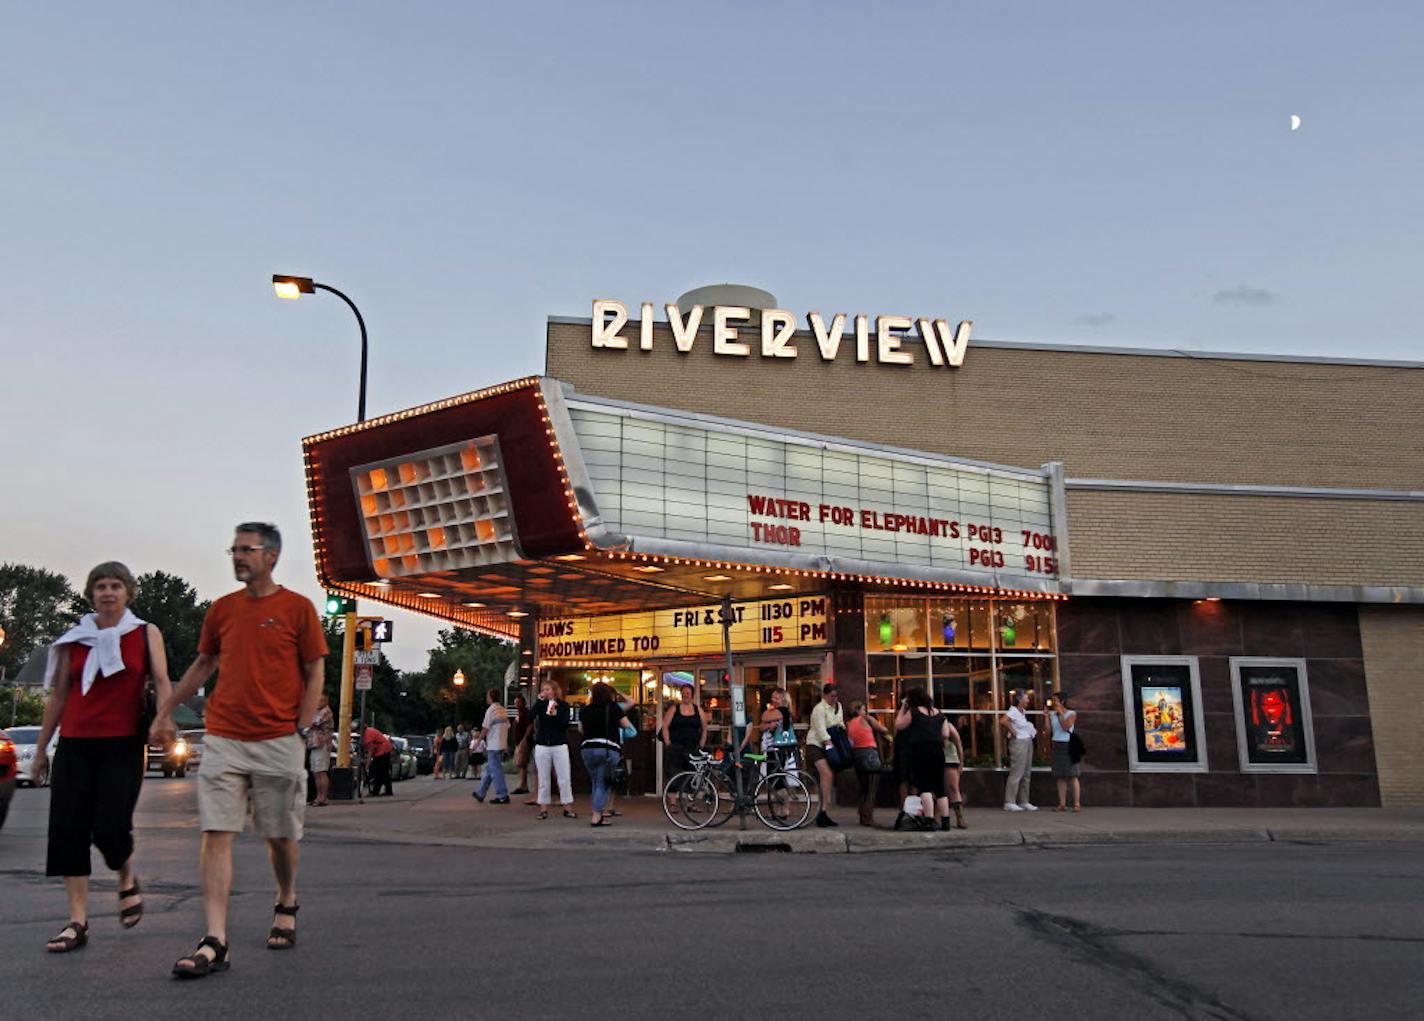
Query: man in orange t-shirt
{"points": [[268, 646]]}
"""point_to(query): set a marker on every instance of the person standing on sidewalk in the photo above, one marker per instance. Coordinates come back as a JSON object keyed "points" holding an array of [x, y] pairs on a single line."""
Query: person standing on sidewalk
{"points": [[865, 732], [523, 721], [96, 673], [462, 752], [1063, 719], [953, 763], [684, 730], [826, 714], [494, 730], [601, 722], [378, 749], [1020, 732], [551, 749], [924, 730], [319, 750], [268, 646], [449, 748]]}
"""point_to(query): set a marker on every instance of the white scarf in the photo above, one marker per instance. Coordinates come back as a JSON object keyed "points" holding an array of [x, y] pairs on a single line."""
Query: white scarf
{"points": [[105, 658]]}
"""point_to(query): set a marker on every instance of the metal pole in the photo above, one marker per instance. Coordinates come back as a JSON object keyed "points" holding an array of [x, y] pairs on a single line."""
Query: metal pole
{"points": [[739, 707], [361, 397], [348, 656]]}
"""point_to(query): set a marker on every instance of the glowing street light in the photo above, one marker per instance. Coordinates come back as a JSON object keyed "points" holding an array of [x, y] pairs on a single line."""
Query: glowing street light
{"points": [[292, 288], [459, 679]]}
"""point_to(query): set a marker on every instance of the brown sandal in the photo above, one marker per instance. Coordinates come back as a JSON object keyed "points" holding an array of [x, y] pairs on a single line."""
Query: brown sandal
{"points": [[68, 943], [202, 966]]}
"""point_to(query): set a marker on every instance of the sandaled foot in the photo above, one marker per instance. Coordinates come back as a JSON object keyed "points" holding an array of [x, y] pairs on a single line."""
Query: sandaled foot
{"points": [[283, 937], [210, 956], [543, 814], [71, 937], [130, 906], [570, 814]]}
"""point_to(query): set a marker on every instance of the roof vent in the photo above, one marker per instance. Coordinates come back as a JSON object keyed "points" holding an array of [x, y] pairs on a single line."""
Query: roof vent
{"points": [[729, 296]]}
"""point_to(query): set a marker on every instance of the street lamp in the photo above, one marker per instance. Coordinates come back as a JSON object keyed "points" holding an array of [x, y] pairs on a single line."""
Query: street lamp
{"points": [[292, 288], [459, 679]]}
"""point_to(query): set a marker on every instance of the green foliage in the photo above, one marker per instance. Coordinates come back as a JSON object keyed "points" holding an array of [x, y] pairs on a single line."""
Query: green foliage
{"points": [[36, 607], [21, 706], [171, 604]]}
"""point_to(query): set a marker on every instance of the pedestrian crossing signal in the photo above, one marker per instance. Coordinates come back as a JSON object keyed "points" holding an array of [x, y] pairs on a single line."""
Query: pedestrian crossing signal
{"points": [[336, 605]]}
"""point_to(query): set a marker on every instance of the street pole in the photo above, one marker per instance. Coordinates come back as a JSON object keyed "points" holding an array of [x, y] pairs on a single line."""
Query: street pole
{"points": [[361, 393], [341, 780], [739, 702]]}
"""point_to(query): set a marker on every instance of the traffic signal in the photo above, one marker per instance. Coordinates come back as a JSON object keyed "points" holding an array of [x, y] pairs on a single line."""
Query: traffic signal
{"points": [[363, 639], [336, 605]]}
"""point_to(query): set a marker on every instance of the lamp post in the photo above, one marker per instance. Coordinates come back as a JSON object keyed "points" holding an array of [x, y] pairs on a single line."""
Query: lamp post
{"points": [[459, 679], [292, 288]]}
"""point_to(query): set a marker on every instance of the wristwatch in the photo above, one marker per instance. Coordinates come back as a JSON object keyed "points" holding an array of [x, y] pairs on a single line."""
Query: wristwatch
{"points": [[303, 732]]}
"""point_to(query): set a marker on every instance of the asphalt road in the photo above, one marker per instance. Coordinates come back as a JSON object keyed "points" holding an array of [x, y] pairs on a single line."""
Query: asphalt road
{"points": [[1276, 930]]}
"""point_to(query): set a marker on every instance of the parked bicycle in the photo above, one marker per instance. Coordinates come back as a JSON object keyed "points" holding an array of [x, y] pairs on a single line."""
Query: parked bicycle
{"points": [[716, 788]]}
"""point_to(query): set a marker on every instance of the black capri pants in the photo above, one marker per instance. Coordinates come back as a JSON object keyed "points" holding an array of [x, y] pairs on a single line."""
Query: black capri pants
{"points": [[94, 787]]}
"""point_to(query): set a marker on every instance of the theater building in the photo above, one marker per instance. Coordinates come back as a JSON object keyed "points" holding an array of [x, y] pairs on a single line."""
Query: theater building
{"points": [[1220, 556]]}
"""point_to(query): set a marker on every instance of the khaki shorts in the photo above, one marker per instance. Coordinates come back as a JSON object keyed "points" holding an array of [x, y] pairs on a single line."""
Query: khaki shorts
{"points": [[319, 759], [263, 779]]}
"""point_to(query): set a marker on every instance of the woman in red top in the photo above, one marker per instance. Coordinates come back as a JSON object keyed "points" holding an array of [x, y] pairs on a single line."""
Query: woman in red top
{"points": [[98, 672], [865, 731]]}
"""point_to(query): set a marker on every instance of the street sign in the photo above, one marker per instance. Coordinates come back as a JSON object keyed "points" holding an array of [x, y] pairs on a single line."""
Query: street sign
{"points": [[366, 658], [364, 673]]}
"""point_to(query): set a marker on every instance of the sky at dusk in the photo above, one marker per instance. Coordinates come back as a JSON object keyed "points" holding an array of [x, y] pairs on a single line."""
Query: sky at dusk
{"points": [[1092, 173]]}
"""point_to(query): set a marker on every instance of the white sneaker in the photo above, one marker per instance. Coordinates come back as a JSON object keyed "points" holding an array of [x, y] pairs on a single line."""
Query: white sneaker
{"points": [[1011, 807], [1028, 808]]}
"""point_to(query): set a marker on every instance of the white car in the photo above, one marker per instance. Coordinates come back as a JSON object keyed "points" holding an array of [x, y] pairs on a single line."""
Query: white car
{"points": [[25, 739]]}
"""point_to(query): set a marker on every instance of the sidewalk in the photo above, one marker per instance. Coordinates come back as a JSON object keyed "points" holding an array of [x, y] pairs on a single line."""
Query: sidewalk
{"points": [[426, 811]]}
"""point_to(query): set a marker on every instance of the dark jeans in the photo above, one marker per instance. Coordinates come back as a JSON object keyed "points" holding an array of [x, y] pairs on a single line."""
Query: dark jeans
{"points": [[94, 787], [381, 774]]}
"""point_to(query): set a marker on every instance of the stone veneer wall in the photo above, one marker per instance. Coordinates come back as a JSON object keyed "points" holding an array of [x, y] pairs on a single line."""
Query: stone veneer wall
{"points": [[1094, 633]]}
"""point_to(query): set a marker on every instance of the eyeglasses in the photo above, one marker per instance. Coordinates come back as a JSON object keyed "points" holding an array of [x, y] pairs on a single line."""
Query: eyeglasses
{"points": [[246, 551]]}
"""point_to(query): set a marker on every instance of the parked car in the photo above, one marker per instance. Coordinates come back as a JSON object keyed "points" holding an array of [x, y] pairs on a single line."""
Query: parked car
{"points": [[25, 739], [403, 764], [424, 749], [8, 769], [178, 756], [169, 756]]}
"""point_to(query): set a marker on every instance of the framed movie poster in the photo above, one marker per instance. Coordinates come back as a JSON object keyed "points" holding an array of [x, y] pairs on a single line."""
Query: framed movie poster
{"points": [[1165, 729], [1273, 728]]}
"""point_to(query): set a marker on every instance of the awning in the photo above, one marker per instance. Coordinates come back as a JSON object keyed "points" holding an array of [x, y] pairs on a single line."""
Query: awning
{"points": [[528, 499]]}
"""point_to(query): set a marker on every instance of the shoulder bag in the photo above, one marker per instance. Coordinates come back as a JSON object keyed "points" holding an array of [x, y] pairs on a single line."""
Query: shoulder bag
{"points": [[1075, 747], [839, 752]]}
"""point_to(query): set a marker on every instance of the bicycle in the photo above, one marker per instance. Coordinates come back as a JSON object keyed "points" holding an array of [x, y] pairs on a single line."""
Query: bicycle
{"points": [[713, 790]]}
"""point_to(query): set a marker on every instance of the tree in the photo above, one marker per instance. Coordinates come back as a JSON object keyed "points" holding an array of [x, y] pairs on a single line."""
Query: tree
{"points": [[36, 607], [483, 660], [171, 604]]}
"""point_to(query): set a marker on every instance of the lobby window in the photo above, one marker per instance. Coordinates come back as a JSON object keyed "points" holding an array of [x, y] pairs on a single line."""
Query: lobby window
{"points": [[969, 654]]}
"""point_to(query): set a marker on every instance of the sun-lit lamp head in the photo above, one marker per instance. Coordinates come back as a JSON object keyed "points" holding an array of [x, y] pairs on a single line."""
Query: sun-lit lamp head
{"points": [[459, 679], [292, 288]]}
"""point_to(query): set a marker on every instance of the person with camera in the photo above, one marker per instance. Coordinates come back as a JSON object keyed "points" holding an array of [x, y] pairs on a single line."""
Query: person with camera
{"points": [[1065, 768]]}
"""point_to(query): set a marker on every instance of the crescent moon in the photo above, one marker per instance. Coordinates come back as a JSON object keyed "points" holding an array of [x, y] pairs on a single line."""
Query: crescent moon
{"points": [[1295, 122]]}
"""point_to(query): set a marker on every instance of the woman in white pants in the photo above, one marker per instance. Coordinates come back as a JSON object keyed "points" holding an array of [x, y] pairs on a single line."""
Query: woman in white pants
{"points": [[551, 748], [1020, 733]]}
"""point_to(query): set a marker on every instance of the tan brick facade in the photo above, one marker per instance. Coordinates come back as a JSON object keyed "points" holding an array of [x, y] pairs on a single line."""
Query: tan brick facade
{"points": [[1392, 638], [1268, 540]]}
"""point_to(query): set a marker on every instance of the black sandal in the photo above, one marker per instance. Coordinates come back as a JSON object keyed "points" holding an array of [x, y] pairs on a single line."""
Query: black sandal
{"points": [[277, 932], [133, 911], [569, 814], [201, 966], [68, 943]]}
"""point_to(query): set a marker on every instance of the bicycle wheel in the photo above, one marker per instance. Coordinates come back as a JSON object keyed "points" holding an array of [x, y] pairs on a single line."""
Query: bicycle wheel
{"points": [[726, 800], [812, 784], [782, 801], [690, 800]]}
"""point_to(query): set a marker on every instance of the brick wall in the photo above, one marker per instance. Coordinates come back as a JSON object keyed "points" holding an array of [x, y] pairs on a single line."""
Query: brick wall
{"points": [[1393, 642], [1196, 537]]}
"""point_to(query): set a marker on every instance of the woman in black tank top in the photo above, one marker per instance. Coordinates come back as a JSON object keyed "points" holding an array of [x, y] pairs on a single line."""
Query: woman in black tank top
{"points": [[684, 731]]}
